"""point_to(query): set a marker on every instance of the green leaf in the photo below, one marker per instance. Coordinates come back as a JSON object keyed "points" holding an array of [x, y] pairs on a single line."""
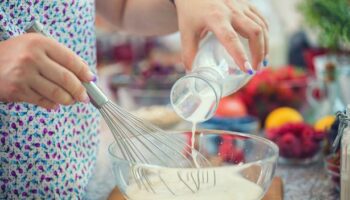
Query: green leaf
{"points": [[330, 17]]}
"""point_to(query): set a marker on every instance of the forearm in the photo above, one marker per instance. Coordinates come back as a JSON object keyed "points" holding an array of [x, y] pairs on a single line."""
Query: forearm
{"points": [[142, 17]]}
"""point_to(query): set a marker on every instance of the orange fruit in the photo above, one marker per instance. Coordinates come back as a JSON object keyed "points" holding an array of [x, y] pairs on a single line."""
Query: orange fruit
{"points": [[281, 116], [324, 123]]}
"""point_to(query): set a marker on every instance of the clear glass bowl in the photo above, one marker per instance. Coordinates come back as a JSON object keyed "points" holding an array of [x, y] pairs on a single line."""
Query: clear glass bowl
{"points": [[242, 168]]}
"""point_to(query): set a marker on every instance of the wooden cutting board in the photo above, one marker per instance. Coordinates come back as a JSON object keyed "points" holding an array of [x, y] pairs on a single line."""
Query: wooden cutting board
{"points": [[274, 193], [276, 190]]}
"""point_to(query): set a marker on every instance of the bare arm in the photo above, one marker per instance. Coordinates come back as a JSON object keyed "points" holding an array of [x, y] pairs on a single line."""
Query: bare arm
{"points": [[227, 19], [142, 17]]}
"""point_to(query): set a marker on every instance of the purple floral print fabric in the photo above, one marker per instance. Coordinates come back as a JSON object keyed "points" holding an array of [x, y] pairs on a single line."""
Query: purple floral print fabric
{"points": [[46, 154]]}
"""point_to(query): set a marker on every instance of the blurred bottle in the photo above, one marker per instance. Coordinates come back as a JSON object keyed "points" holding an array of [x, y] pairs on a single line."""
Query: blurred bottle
{"points": [[327, 84]]}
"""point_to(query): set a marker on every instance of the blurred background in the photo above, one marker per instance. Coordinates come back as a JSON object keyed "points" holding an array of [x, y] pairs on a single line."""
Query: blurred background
{"points": [[309, 44], [292, 102]]}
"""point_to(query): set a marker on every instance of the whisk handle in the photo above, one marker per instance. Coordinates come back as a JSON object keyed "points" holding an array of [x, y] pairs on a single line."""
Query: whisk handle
{"points": [[97, 97]]}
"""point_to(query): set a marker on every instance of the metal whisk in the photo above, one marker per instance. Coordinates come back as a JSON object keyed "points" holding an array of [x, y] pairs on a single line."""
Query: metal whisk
{"points": [[142, 143]]}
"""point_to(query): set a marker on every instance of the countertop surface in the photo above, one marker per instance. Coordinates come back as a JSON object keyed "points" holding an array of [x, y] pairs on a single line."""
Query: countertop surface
{"points": [[306, 182]]}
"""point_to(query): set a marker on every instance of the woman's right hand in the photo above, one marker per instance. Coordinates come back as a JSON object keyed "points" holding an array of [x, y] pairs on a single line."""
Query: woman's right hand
{"points": [[41, 71]]}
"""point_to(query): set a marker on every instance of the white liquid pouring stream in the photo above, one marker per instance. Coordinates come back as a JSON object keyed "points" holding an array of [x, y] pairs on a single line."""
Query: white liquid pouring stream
{"points": [[193, 150]]}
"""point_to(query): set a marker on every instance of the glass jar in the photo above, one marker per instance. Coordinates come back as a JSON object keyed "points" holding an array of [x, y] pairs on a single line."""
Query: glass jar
{"points": [[344, 132], [195, 97]]}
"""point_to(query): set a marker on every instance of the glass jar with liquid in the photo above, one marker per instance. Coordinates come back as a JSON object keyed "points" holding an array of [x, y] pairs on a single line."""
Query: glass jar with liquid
{"points": [[215, 74], [344, 131]]}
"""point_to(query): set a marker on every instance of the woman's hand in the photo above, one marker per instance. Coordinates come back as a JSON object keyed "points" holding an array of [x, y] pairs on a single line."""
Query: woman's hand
{"points": [[39, 70], [227, 19]]}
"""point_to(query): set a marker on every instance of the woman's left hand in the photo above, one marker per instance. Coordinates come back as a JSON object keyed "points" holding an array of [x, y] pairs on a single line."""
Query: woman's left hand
{"points": [[227, 19]]}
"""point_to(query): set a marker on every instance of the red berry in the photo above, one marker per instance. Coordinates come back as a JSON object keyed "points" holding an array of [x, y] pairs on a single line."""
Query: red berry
{"points": [[319, 136], [289, 146], [272, 134], [238, 156], [298, 127], [335, 169], [285, 128], [307, 134], [225, 151], [310, 148]]}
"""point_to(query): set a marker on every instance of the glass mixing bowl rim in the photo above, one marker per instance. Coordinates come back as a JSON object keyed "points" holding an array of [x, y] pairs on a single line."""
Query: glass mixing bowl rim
{"points": [[265, 141]]}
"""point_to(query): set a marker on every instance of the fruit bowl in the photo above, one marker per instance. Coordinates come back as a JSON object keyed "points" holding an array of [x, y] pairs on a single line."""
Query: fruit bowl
{"points": [[243, 166], [273, 88], [332, 165], [299, 143]]}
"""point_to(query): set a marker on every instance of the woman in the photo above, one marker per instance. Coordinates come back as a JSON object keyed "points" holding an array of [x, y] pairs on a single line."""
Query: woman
{"points": [[47, 150]]}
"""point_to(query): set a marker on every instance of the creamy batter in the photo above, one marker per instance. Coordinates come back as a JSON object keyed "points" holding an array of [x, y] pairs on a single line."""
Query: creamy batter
{"points": [[229, 185]]}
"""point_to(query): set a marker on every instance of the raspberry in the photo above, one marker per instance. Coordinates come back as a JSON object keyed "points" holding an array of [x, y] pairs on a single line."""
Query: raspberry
{"points": [[319, 136], [286, 128], [298, 128], [310, 148], [225, 151], [307, 134], [230, 153], [272, 134], [289, 145], [238, 156]]}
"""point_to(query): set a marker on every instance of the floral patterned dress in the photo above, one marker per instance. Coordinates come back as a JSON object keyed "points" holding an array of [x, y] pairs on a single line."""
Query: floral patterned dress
{"points": [[46, 154]]}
